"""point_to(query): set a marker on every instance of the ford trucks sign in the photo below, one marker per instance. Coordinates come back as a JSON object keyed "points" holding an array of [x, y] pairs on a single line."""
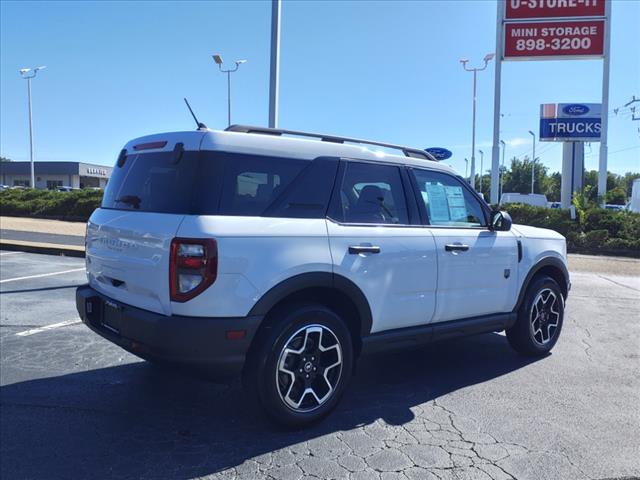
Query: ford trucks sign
{"points": [[570, 122]]}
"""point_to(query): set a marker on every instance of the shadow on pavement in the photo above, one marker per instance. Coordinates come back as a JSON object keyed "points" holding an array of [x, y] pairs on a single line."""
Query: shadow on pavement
{"points": [[137, 420]]}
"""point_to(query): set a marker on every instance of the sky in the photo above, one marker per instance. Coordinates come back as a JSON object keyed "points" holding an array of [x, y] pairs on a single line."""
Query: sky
{"points": [[387, 71]]}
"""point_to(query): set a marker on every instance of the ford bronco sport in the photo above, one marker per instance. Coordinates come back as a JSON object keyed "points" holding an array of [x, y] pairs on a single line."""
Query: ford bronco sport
{"points": [[283, 256]]}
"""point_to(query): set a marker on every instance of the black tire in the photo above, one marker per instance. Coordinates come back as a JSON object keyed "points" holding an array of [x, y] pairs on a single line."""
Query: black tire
{"points": [[290, 326], [532, 337]]}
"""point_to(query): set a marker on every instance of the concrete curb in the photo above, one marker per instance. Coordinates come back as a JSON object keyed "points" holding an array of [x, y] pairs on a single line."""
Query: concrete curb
{"points": [[40, 247]]}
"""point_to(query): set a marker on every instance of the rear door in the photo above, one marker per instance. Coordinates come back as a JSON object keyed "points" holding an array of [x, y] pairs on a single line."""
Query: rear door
{"points": [[128, 238], [476, 266], [377, 243]]}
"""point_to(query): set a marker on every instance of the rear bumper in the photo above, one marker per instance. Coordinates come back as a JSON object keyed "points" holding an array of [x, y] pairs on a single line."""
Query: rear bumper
{"points": [[197, 342]]}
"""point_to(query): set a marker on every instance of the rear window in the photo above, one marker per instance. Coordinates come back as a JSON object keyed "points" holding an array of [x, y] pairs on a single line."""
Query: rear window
{"points": [[153, 182], [219, 183]]}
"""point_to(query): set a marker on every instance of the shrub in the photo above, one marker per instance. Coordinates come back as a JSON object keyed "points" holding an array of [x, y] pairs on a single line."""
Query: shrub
{"points": [[600, 219], [552, 218], [595, 238], [77, 205], [595, 231]]}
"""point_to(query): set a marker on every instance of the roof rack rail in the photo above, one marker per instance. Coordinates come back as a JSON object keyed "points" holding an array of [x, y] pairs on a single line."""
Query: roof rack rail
{"points": [[407, 151]]}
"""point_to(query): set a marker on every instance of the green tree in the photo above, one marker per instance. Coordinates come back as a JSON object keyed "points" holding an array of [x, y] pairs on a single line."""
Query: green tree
{"points": [[518, 178], [551, 186], [617, 196], [5, 159], [591, 179]]}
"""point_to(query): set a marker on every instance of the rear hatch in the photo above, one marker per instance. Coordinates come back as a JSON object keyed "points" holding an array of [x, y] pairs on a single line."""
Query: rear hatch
{"points": [[128, 239]]}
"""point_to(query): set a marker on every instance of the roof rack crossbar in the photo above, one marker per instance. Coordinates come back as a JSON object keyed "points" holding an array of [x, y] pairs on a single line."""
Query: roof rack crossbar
{"points": [[407, 151]]}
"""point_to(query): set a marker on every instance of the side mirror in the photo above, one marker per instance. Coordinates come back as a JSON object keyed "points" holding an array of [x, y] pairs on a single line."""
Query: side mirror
{"points": [[500, 221]]}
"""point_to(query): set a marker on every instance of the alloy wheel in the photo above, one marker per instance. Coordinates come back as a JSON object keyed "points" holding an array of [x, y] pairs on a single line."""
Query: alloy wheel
{"points": [[309, 368], [545, 316]]}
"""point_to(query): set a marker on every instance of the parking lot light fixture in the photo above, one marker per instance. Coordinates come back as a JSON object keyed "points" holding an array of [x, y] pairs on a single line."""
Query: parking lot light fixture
{"points": [[504, 147], [464, 62], [481, 162], [218, 60], [533, 161], [28, 74]]}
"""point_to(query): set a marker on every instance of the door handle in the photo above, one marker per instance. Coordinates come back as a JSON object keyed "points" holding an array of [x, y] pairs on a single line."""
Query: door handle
{"points": [[456, 247], [356, 249]]}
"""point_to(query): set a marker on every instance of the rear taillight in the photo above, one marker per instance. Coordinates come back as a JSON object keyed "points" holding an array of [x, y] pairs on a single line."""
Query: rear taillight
{"points": [[193, 267]]}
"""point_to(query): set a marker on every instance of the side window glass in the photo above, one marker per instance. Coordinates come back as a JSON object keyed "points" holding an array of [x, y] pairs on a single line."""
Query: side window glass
{"points": [[252, 183], [372, 194], [256, 184], [447, 200]]}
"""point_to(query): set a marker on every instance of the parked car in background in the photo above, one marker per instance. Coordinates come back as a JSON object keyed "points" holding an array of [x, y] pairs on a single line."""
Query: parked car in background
{"points": [[535, 199], [617, 208], [4, 187], [65, 188]]}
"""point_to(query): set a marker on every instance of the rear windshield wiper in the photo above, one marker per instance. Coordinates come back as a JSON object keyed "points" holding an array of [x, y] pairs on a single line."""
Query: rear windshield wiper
{"points": [[132, 200]]}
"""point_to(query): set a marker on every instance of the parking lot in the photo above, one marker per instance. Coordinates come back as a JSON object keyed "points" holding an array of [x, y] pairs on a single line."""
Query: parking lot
{"points": [[75, 406]]}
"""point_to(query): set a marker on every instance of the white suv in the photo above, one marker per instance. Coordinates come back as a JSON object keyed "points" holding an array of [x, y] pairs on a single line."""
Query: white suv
{"points": [[283, 256]]}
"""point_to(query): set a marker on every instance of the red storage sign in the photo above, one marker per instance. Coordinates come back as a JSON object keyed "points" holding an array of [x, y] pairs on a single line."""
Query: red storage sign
{"points": [[553, 39], [523, 9]]}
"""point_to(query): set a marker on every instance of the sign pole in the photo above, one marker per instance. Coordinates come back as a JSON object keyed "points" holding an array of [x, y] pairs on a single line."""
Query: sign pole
{"points": [[602, 175], [274, 77], [495, 150]]}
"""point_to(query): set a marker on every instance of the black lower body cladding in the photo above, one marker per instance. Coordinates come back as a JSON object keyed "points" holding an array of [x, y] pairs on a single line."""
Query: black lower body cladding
{"points": [[213, 345]]}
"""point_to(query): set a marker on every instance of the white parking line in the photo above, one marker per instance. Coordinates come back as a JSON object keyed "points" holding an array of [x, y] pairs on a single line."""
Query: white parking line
{"points": [[26, 333], [41, 275]]}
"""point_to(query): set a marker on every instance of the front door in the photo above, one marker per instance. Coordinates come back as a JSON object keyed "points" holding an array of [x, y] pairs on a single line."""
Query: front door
{"points": [[377, 245], [477, 267]]}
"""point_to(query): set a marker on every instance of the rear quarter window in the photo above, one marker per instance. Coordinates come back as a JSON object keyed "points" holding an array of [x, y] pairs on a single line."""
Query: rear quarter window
{"points": [[252, 183]]}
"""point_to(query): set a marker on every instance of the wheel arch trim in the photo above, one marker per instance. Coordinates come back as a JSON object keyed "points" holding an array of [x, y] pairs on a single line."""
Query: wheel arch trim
{"points": [[544, 263], [308, 280]]}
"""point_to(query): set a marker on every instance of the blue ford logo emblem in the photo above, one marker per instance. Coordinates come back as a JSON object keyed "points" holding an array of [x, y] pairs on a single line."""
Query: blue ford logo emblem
{"points": [[575, 109], [439, 153]]}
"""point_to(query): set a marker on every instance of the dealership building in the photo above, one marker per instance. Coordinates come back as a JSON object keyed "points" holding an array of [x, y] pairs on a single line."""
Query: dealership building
{"points": [[51, 175]]}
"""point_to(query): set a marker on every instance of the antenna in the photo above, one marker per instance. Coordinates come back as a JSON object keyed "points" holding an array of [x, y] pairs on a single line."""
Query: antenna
{"points": [[199, 124]]}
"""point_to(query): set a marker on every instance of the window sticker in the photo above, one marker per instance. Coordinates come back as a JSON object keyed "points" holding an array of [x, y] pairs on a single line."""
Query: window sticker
{"points": [[438, 205], [457, 207]]}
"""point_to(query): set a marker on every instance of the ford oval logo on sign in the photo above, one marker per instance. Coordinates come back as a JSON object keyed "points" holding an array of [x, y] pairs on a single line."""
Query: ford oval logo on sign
{"points": [[439, 153], [575, 109]]}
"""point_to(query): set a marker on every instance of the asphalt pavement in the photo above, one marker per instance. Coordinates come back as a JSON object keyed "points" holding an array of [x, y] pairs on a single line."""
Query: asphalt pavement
{"points": [[72, 405]]}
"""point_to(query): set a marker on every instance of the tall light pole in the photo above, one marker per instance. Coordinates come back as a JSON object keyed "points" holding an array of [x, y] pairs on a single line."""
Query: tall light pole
{"points": [[481, 161], [464, 61], [229, 71], [28, 74], [504, 147], [533, 161], [466, 166]]}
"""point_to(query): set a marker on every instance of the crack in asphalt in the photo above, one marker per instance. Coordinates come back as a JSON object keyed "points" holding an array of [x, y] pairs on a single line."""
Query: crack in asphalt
{"points": [[587, 345]]}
